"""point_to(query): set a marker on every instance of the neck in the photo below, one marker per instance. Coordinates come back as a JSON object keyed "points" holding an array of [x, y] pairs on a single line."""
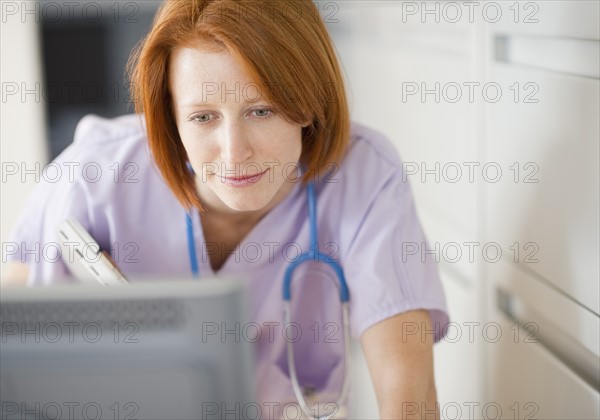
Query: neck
{"points": [[232, 217], [223, 214]]}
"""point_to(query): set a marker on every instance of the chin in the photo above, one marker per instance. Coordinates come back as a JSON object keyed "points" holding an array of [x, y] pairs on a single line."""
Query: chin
{"points": [[243, 203], [254, 198], [244, 206]]}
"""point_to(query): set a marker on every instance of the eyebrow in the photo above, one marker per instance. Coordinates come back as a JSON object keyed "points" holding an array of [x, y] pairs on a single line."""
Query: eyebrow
{"points": [[240, 96], [194, 104]]}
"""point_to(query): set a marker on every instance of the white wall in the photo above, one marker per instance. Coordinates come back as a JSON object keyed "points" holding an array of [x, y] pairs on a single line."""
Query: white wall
{"points": [[22, 115]]}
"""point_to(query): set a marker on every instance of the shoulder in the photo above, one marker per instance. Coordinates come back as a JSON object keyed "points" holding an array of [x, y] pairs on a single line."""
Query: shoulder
{"points": [[369, 180], [93, 128], [120, 160], [108, 173], [371, 158], [370, 161], [366, 139], [93, 134], [106, 156], [101, 146], [106, 151]]}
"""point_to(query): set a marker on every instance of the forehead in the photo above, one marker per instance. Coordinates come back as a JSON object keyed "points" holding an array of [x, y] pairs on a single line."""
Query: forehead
{"points": [[195, 60], [201, 75], [199, 65]]}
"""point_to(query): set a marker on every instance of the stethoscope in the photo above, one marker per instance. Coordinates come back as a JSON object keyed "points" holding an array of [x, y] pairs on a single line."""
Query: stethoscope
{"points": [[312, 255]]}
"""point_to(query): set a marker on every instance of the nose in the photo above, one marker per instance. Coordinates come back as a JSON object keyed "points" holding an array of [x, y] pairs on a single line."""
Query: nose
{"points": [[235, 145]]}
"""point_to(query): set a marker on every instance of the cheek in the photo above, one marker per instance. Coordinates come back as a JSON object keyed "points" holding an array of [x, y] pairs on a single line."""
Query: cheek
{"points": [[199, 157], [186, 139], [290, 145], [196, 148], [297, 146]]}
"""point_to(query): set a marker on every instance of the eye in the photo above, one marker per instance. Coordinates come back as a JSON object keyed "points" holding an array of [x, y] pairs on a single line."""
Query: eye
{"points": [[201, 118], [263, 112]]}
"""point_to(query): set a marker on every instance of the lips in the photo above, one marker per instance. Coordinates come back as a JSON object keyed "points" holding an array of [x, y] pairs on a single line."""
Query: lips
{"points": [[244, 178]]}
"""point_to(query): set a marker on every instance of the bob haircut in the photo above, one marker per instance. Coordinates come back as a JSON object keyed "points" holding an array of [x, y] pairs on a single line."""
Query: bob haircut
{"points": [[283, 46]]}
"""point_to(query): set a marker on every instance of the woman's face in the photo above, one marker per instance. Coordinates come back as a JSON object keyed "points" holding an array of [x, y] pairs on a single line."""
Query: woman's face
{"points": [[230, 132]]}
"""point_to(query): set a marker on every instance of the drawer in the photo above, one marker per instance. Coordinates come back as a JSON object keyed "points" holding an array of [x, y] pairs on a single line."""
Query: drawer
{"points": [[528, 382], [548, 354], [543, 209], [557, 18], [546, 362]]}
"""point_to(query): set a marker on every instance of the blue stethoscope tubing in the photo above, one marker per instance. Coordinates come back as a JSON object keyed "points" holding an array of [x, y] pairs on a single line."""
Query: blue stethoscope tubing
{"points": [[312, 254]]}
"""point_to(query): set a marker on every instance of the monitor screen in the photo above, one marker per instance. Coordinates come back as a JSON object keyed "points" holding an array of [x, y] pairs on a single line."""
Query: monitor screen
{"points": [[149, 350]]}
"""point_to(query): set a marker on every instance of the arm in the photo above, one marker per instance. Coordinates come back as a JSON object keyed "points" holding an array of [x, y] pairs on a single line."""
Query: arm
{"points": [[400, 360], [14, 274]]}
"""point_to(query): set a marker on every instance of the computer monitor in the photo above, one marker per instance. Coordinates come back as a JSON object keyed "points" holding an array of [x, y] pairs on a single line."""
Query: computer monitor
{"points": [[149, 350]]}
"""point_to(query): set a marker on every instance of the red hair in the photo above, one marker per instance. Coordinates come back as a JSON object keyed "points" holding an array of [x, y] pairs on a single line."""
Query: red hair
{"points": [[284, 46]]}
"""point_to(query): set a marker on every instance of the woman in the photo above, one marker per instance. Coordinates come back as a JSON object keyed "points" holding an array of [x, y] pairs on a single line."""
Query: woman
{"points": [[240, 104]]}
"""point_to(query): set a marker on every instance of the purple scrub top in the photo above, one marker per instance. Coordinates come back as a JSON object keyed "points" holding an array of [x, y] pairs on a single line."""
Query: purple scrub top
{"points": [[366, 219]]}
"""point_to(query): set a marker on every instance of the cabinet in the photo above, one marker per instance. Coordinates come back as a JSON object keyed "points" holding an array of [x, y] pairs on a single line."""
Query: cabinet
{"points": [[531, 133]]}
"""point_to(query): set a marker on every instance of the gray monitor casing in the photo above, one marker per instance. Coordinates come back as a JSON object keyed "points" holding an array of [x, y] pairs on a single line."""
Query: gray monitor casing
{"points": [[147, 350]]}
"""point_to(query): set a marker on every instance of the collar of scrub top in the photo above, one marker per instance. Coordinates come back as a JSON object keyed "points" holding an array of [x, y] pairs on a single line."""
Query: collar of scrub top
{"points": [[313, 254]]}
